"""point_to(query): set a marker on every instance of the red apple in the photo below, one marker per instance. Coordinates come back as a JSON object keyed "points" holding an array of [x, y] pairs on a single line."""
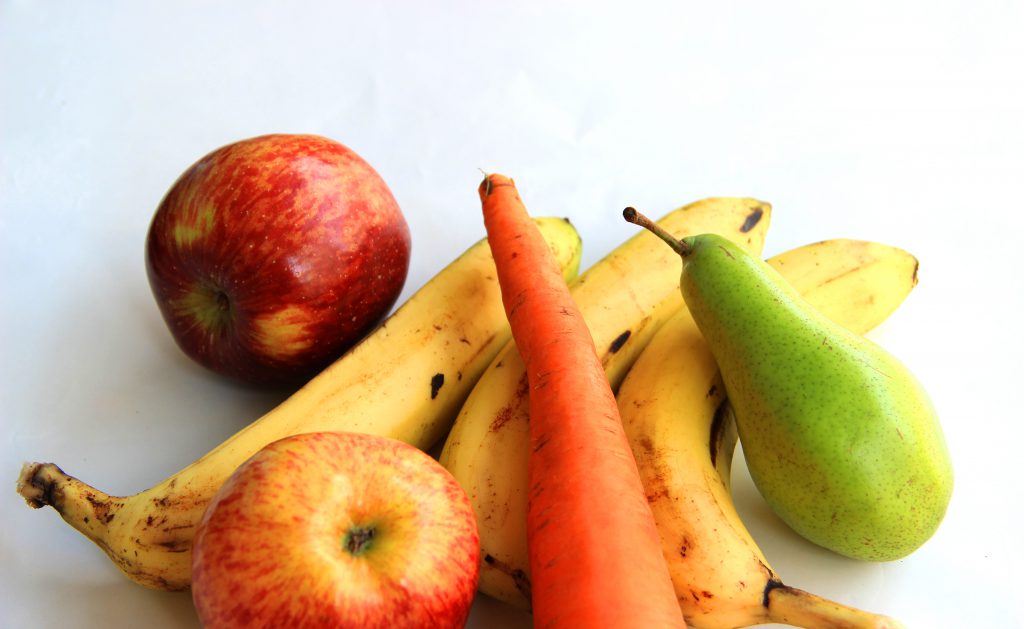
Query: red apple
{"points": [[334, 529], [271, 256]]}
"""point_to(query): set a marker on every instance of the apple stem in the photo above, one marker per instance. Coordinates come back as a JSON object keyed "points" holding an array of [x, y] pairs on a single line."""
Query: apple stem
{"points": [[358, 539], [633, 216]]}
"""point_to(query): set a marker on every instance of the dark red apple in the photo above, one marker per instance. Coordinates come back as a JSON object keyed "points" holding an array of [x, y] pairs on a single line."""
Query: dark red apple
{"points": [[271, 256]]}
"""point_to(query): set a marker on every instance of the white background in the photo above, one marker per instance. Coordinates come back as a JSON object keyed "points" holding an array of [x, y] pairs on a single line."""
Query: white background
{"points": [[901, 122]]}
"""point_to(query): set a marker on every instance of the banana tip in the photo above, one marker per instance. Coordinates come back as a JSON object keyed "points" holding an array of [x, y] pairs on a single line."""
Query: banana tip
{"points": [[33, 487]]}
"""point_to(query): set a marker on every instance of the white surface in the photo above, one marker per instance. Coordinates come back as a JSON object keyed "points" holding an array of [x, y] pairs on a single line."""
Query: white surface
{"points": [[901, 122]]}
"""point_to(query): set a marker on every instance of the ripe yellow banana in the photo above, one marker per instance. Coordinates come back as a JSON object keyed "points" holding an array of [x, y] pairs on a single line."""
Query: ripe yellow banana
{"points": [[679, 425], [406, 380], [624, 298]]}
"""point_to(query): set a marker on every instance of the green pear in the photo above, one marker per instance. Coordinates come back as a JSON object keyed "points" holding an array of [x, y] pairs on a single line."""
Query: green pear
{"points": [[839, 436]]}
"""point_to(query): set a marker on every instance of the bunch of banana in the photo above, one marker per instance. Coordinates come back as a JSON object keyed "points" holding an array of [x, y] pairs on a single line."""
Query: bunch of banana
{"points": [[679, 425], [406, 380], [624, 298]]}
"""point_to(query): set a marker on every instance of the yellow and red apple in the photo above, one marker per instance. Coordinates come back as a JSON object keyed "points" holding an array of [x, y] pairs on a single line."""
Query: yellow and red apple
{"points": [[271, 256], [341, 530]]}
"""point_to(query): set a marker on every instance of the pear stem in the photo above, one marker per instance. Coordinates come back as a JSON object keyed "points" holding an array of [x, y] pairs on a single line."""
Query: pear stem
{"points": [[679, 246]]}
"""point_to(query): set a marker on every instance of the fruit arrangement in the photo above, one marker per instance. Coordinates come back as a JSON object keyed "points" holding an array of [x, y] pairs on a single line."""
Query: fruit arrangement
{"points": [[586, 422]]}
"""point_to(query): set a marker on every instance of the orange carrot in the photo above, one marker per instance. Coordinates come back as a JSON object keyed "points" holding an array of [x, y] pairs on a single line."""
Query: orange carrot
{"points": [[595, 554]]}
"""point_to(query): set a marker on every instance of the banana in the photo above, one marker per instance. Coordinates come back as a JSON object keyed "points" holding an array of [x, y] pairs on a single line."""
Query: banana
{"points": [[624, 298], [680, 428], [406, 380]]}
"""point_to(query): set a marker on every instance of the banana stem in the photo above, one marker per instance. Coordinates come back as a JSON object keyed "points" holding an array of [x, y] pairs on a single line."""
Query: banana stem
{"points": [[796, 607], [152, 548], [88, 510]]}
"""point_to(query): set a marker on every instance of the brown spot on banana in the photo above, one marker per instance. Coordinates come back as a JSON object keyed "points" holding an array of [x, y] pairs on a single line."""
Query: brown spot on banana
{"points": [[506, 413], [101, 507], [519, 578], [752, 219], [717, 426], [436, 382], [684, 547], [619, 341]]}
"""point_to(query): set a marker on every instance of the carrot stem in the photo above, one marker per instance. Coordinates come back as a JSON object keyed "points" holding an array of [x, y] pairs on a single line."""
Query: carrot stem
{"points": [[595, 553]]}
